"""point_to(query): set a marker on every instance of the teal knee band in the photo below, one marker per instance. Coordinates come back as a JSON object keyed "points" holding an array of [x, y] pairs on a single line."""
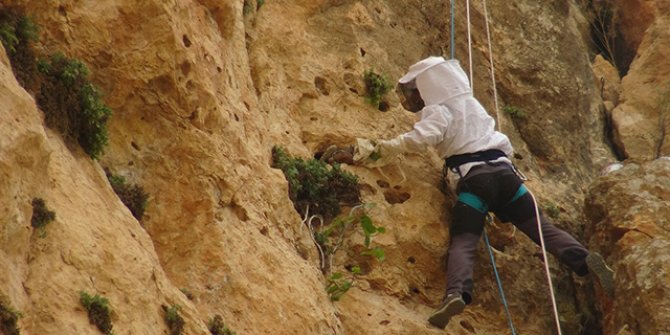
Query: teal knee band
{"points": [[519, 193], [473, 201]]}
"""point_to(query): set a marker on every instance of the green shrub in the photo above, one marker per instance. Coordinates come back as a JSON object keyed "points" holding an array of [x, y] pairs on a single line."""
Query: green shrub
{"points": [[18, 33], [316, 185], [370, 230], [248, 7], [552, 210], [41, 216], [8, 318], [173, 320], [376, 86], [337, 285], [330, 238], [72, 105], [99, 311], [133, 196], [217, 327], [514, 112]]}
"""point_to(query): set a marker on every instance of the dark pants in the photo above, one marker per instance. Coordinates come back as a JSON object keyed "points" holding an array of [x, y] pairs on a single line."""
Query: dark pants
{"points": [[496, 185]]}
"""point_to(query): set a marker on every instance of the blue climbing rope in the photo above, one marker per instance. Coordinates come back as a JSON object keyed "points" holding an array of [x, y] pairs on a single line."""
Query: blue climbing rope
{"points": [[500, 288]]}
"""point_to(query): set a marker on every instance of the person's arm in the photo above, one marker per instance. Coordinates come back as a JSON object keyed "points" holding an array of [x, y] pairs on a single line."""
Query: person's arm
{"points": [[429, 131]]}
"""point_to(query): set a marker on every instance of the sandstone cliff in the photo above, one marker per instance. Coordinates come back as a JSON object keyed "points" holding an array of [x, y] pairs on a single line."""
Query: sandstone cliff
{"points": [[202, 90]]}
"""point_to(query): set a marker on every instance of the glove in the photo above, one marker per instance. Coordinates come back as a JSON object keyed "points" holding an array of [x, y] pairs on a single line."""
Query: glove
{"points": [[391, 148], [363, 149], [371, 153]]}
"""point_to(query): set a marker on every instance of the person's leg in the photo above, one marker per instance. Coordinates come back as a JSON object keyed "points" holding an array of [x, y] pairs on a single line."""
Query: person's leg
{"points": [[465, 232], [560, 244], [557, 242]]}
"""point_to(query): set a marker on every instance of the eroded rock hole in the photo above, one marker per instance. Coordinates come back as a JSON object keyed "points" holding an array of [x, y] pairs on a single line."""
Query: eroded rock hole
{"points": [[186, 41], [383, 184], [384, 106], [393, 196], [320, 84]]}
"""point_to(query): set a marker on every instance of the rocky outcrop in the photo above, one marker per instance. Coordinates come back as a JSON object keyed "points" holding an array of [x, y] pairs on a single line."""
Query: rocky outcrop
{"points": [[627, 211], [641, 119], [93, 245]]}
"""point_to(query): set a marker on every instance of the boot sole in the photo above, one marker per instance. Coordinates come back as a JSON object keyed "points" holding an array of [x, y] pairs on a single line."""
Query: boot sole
{"points": [[442, 316], [597, 266]]}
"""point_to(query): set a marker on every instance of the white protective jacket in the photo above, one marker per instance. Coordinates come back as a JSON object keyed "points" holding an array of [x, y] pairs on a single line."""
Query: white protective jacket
{"points": [[452, 121]]}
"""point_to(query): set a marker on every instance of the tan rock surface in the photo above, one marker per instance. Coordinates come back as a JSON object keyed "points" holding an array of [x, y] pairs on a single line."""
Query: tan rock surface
{"points": [[202, 90], [628, 211], [94, 244]]}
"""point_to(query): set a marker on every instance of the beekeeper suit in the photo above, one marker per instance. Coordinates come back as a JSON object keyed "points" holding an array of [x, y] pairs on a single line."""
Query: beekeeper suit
{"points": [[452, 121], [456, 124]]}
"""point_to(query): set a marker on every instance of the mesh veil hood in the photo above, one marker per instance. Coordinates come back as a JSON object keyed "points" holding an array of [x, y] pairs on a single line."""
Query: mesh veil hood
{"points": [[438, 80]]}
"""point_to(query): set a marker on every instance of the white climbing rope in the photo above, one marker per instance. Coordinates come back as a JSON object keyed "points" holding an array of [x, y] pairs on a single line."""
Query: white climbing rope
{"points": [[467, 10], [546, 264], [537, 211], [493, 72]]}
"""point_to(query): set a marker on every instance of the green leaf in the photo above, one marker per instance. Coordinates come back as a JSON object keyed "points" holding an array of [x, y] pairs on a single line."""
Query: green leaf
{"points": [[356, 270], [368, 227], [376, 252]]}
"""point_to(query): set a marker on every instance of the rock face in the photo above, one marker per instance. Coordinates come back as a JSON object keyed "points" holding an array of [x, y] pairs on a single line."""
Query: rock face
{"points": [[641, 119], [628, 214], [202, 90]]}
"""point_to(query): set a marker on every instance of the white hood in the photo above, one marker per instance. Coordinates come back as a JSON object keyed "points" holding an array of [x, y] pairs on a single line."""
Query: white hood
{"points": [[438, 80]]}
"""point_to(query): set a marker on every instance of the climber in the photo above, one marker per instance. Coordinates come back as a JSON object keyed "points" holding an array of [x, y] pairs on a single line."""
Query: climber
{"points": [[456, 124]]}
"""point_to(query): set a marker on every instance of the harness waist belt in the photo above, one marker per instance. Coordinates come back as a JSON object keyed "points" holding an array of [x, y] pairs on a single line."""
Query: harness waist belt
{"points": [[480, 156]]}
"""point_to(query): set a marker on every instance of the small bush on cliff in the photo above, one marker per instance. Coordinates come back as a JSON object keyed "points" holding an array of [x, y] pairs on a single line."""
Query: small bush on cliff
{"points": [[99, 311], [247, 6], [552, 210], [514, 112], [72, 105], [173, 320], [41, 215], [217, 327], [133, 196], [331, 237], [376, 86], [18, 33], [8, 318], [316, 185]]}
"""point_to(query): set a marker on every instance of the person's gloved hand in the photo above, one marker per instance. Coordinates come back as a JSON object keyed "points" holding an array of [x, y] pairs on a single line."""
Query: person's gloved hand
{"points": [[364, 151], [391, 148], [376, 153]]}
